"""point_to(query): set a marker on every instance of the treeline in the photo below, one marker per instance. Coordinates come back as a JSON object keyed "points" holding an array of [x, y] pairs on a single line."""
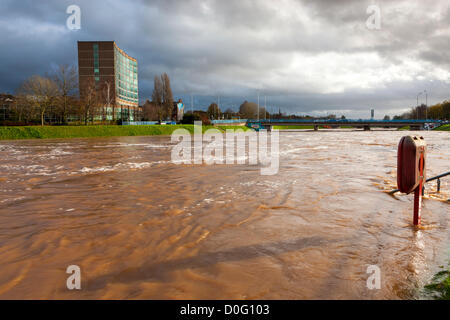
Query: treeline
{"points": [[44, 98], [250, 110], [54, 99], [440, 111]]}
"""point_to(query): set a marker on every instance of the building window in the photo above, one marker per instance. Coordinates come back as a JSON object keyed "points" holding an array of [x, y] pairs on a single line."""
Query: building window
{"points": [[96, 63]]}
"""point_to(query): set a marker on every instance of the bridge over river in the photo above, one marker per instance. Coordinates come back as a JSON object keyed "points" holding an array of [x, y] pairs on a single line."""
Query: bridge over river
{"points": [[331, 123]]}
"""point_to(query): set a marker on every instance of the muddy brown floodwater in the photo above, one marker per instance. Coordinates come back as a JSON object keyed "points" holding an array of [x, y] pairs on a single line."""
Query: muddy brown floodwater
{"points": [[141, 227]]}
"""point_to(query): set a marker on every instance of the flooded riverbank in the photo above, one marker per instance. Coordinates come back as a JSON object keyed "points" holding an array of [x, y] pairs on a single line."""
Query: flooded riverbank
{"points": [[141, 227]]}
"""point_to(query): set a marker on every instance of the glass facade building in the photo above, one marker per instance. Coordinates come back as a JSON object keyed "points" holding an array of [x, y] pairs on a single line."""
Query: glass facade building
{"points": [[115, 76], [126, 78]]}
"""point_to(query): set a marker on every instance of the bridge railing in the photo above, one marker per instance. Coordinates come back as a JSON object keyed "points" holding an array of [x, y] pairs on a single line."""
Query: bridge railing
{"points": [[343, 121], [228, 121], [139, 123]]}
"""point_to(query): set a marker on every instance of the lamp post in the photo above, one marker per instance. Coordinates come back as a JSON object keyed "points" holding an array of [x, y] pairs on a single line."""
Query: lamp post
{"points": [[426, 104], [265, 108], [417, 108], [258, 105]]}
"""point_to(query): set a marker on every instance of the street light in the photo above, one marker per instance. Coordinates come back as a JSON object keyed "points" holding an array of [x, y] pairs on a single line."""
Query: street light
{"points": [[258, 105], [265, 107], [426, 104], [417, 108]]}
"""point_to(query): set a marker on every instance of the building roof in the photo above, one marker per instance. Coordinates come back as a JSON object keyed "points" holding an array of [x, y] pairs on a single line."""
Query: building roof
{"points": [[115, 45]]}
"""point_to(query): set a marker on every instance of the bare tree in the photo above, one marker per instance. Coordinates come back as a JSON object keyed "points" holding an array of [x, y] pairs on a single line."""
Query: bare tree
{"points": [[151, 111], [90, 101], [213, 111], [249, 110], [66, 78], [41, 92], [157, 97], [23, 108], [109, 100], [167, 95]]}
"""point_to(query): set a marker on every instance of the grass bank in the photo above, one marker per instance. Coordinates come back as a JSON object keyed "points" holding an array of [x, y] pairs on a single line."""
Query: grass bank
{"points": [[55, 132], [224, 128], [439, 288], [445, 127], [292, 127]]}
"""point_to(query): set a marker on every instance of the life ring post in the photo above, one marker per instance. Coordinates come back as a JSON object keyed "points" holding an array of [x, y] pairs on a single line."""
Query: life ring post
{"points": [[411, 170]]}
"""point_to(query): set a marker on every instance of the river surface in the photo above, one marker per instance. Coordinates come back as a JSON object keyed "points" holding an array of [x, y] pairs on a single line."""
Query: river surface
{"points": [[141, 227]]}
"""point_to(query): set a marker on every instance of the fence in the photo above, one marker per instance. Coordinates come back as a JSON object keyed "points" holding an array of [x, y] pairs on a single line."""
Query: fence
{"points": [[139, 123]]}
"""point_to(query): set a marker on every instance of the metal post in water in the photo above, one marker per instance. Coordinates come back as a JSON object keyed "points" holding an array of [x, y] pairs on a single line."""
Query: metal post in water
{"points": [[411, 170], [418, 193]]}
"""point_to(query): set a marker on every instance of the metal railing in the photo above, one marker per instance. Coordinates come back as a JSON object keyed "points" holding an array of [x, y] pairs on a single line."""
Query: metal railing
{"points": [[139, 123], [438, 178], [336, 121], [228, 121]]}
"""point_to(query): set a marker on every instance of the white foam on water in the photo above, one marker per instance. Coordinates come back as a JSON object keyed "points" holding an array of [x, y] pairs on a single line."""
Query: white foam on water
{"points": [[12, 199], [122, 144], [59, 152], [119, 166]]}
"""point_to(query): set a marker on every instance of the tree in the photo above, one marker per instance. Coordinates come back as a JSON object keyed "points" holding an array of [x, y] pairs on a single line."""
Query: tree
{"points": [[23, 108], [387, 118], [66, 79], [157, 97], [167, 98], [213, 111], [419, 112], [446, 110], [228, 113], [151, 111], [435, 112], [249, 110], [40, 92], [90, 102], [157, 91], [108, 99]]}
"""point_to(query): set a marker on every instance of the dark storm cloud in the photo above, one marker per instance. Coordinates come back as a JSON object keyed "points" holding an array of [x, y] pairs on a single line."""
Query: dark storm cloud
{"points": [[306, 56]]}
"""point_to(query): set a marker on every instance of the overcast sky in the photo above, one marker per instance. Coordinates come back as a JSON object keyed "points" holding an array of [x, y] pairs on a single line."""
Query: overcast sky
{"points": [[307, 57]]}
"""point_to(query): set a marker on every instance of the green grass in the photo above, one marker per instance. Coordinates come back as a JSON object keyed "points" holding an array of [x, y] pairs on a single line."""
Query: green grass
{"points": [[54, 132], [445, 127], [440, 286], [292, 127], [224, 128]]}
